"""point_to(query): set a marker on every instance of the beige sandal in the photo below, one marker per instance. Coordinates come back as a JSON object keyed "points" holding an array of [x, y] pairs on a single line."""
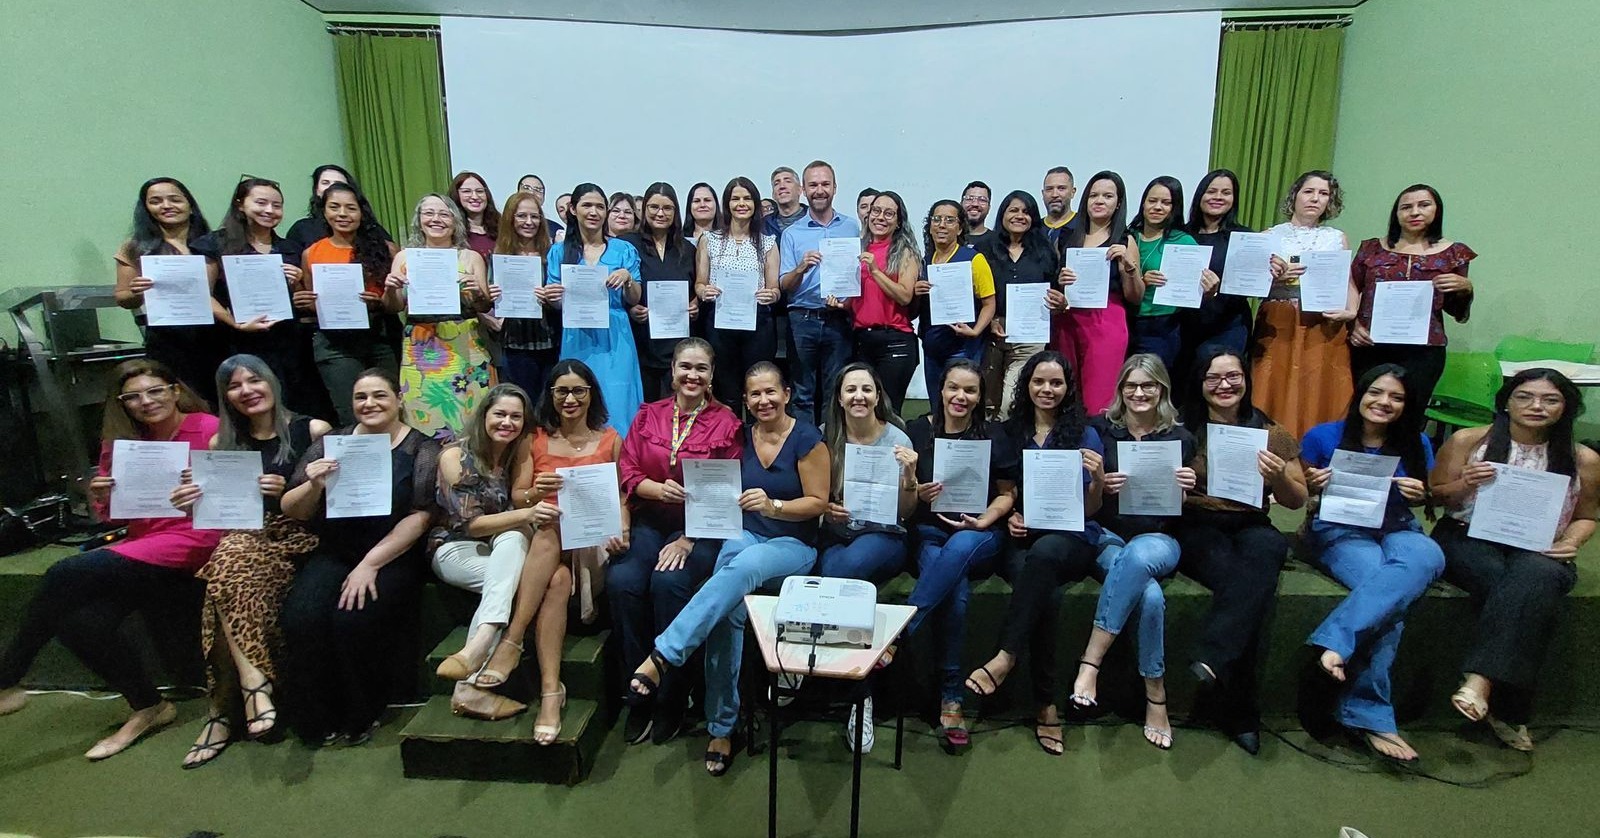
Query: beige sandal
{"points": [[1470, 703], [477, 703], [547, 734], [1516, 738], [490, 678]]}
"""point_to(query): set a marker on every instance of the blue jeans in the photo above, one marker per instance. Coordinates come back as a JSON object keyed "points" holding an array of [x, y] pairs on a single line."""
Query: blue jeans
{"points": [[716, 616], [1386, 573], [940, 346], [1130, 582], [874, 556], [945, 561], [821, 348]]}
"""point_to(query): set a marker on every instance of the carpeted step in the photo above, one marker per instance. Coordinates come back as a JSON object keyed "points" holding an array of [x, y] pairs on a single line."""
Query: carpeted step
{"points": [[583, 666], [438, 744]]}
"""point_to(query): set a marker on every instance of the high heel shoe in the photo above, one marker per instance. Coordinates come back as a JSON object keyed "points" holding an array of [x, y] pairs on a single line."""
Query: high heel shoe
{"points": [[269, 715], [1077, 703], [491, 678], [475, 702], [547, 734], [1161, 737]]}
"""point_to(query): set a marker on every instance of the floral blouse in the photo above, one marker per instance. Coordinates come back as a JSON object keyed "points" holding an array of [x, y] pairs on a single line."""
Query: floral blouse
{"points": [[1375, 263], [476, 493]]}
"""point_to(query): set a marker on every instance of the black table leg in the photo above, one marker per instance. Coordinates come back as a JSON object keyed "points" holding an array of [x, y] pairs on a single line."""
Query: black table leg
{"points": [[772, 759], [855, 772], [899, 735]]}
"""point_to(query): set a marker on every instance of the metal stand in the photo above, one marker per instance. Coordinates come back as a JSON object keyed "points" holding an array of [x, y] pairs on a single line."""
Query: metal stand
{"points": [[773, 726]]}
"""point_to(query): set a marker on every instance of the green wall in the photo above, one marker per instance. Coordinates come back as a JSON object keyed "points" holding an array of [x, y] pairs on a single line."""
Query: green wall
{"points": [[1493, 103], [102, 94]]}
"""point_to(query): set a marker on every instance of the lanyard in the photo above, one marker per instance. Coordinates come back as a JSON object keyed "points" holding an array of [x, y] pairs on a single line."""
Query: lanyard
{"points": [[681, 434]]}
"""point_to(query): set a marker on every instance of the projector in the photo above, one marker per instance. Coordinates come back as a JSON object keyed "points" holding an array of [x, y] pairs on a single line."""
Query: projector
{"points": [[837, 612]]}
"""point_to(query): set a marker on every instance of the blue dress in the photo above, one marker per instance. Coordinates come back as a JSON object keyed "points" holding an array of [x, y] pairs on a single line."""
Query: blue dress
{"points": [[609, 352]]}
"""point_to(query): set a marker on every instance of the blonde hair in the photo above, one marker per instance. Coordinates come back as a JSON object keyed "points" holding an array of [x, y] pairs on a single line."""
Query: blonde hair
{"points": [[1166, 414]]}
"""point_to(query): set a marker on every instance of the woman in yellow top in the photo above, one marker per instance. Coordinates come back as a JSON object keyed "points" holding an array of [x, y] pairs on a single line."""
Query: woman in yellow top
{"points": [[943, 235]]}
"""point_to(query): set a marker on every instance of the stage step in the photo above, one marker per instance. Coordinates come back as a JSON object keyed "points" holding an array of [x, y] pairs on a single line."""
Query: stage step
{"points": [[438, 744], [583, 667]]}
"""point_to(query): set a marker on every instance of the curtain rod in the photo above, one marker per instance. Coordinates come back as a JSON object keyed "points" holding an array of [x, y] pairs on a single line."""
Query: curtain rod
{"points": [[1321, 22], [368, 29]]}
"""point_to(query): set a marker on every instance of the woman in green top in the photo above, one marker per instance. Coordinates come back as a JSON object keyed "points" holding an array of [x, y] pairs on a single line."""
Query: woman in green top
{"points": [[1155, 327]]}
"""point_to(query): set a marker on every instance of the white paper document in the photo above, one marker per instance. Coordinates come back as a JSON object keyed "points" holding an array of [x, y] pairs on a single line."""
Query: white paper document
{"points": [[338, 289], [591, 506], [1052, 489], [669, 308], [840, 271], [1092, 288], [1247, 270], [736, 305], [871, 484], [950, 294], [146, 472], [1358, 492], [1181, 264], [230, 487], [1152, 469], [1325, 286], [1401, 312], [433, 281], [518, 277], [1027, 319], [586, 302], [1233, 469], [962, 465], [363, 484], [711, 506], [181, 295], [257, 287], [1521, 508]]}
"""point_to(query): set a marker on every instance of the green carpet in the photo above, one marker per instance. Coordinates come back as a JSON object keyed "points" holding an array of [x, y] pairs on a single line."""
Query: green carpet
{"points": [[1110, 783]]}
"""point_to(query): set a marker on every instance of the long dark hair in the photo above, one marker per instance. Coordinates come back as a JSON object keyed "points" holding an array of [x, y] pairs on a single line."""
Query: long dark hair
{"points": [[833, 417], [547, 414], [979, 424], [573, 255], [148, 236], [1067, 433], [902, 241], [927, 224], [1435, 230], [313, 208], [1403, 436], [1562, 453], [234, 237], [1229, 222], [1078, 228], [675, 226], [1174, 225], [371, 246], [1034, 239], [688, 199], [491, 213], [1196, 412], [724, 221]]}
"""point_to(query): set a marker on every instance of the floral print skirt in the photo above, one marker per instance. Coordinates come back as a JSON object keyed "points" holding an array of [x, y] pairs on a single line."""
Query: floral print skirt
{"points": [[444, 371]]}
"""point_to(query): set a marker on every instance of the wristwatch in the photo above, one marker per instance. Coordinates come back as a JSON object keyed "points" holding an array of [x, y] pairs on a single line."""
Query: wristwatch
{"points": [[777, 507]]}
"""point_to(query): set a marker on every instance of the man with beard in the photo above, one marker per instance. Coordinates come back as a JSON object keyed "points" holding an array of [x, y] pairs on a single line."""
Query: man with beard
{"points": [[820, 335], [1057, 193], [975, 204]]}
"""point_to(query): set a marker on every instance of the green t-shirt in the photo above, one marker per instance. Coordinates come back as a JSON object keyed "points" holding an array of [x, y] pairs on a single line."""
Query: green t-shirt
{"points": [[1150, 260]]}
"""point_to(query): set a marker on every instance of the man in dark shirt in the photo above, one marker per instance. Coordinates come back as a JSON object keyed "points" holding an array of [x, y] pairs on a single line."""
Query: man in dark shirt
{"points": [[1057, 193], [975, 203], [786, 193]]}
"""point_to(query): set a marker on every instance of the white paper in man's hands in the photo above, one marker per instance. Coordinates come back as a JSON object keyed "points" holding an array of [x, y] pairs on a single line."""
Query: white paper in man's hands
{"points": [[840, 271]]}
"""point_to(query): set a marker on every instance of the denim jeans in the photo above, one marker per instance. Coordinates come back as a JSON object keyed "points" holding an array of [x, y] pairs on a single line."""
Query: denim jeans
{"points": [[1130, 574], [875, 557], [1386, 573], [821, 349], [644, 601], [716, 616], [945, 561], [940, 346]]}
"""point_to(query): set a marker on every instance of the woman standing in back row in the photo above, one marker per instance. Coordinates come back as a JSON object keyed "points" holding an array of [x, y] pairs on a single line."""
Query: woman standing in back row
{"points": [[1222, 320], [1095, 340], [736, 246]]}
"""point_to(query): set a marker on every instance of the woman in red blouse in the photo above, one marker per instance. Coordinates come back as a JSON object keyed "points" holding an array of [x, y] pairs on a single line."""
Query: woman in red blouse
{"points": [[891, 263], [1416, 250], [650, 583]]}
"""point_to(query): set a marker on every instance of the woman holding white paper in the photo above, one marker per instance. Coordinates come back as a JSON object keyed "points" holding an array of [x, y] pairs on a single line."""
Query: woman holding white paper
{"points": [[952, 547], [944, 238], [83, 599], [1230, 545], [784, 471], [1387, 568], [529, 346], [471, 196], [1158, 224], [250, 571], [1222, 320], [354, 237], [891, 264], [1019, 253], [357, 591], [1094, 341], [1135, 551], [1301, 359], [858, 414], [1413, 250], [1046, 415], [737, 246], [1517, 591], [165, 219], [664, 256], [650, 583], [444, 365]]}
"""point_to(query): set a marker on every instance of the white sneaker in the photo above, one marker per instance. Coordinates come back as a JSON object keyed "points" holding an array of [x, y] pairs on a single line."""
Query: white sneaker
{"points": [[788, 687], [867, 733]]}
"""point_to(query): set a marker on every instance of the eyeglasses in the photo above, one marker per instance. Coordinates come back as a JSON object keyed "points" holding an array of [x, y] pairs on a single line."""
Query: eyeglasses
{"points": [[563, 393], [1232, 378], [944, 221], [1141, 387], [881, 213], [1529, 400], [153, 394], [434, 214]]}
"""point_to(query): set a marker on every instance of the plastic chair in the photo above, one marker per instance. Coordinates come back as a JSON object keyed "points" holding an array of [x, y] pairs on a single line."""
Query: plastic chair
{"points": [[1464, 396], [1524, 348]]}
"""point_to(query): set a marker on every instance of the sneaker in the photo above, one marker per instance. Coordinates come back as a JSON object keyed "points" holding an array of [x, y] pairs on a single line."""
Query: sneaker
{"points": [[789, 687], [867, 733], [637, 727]]}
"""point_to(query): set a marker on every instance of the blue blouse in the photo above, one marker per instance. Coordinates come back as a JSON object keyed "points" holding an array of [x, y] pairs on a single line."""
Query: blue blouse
{"points": [[1317, 449], [610, 352], [781, 481]]}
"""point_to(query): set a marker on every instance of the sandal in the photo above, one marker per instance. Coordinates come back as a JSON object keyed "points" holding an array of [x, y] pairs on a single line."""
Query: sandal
{"points": [[1470, 703], [269, 715], [491, 678], [475, 702], [1516, 738], [953, 730], [1157, 736], [977, 688], [215, 746], [1083, 703], [718, 763], [1052, 745], [1367, 737], [642, 684], [547, 734]]}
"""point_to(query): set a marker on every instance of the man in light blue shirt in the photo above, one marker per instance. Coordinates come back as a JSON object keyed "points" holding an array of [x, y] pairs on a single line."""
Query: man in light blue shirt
{"points": [[820, 334]]}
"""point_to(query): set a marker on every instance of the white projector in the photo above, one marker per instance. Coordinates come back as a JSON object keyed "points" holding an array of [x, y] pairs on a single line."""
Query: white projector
{"points": [[837, 612]]}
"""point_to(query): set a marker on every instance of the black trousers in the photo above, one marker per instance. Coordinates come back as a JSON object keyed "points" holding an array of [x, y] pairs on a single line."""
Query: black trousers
{"points": [[893, 354], [644, 601], [340, 668], [1048, 563], [736, 352], [1424, 365], [1518, 595], [1238, 557], [83, 602]]}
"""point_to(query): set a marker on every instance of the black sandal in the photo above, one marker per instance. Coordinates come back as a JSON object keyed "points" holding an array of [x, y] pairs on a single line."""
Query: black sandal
{"points": [[1082, 703], [642, 680], [216, 747], [1046, 741], [268, 715], [721, 762], [974, 686]]}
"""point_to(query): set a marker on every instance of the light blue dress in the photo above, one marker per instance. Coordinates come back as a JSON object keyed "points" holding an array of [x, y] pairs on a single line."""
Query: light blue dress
{"points": [[609, 352]]}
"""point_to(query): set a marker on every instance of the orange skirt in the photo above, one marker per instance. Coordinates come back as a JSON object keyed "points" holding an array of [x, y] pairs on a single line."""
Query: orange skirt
{"points": [[1300, 375]]}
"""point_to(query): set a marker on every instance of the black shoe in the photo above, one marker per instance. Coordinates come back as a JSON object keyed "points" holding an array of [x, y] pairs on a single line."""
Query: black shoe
{"points": [[1317, 698], [636, 728], [1203, 675], [1249, 740], [667, 722]]}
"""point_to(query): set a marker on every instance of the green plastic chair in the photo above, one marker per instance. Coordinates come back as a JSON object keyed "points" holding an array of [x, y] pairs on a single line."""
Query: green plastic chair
{"points": [[1524, 348], [1464, 396]]}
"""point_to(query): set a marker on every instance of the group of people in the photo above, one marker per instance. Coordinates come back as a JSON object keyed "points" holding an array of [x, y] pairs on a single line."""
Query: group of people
{"points": [[481, 413]]}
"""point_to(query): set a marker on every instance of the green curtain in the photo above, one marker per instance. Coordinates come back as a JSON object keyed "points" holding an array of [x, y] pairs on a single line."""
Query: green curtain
{"points": [[392, 99], [1277, 103]]}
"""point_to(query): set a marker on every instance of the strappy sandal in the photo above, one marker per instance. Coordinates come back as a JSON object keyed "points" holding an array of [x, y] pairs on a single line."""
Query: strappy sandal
{"points": [[642, 684], [268, 715], [977, 688], [491, 678], [717, 764], [1470, 703], [215, 746], [954, 737], [1157, 736], [1515, 737], [547, 734], [1046, 742], [1078, 703]]}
